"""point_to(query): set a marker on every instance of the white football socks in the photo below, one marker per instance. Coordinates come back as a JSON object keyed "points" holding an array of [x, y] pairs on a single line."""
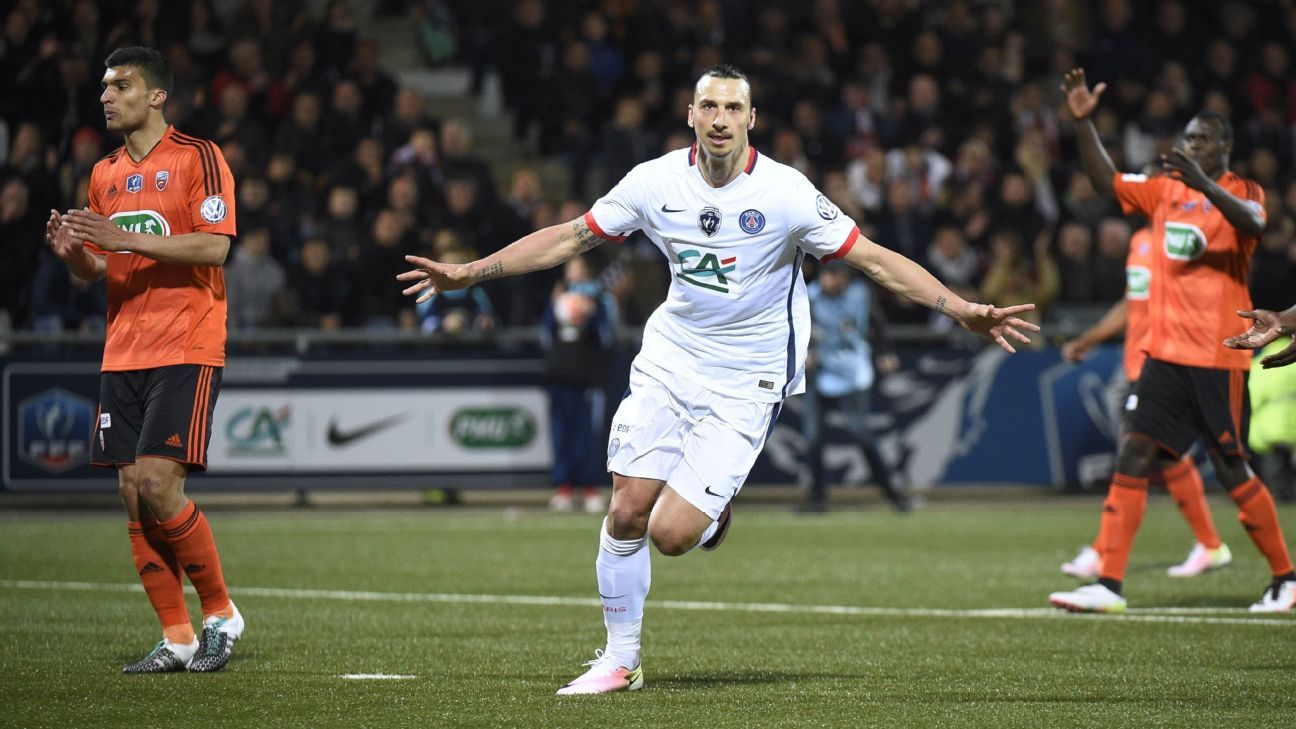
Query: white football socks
{"points": [[624, 575]]}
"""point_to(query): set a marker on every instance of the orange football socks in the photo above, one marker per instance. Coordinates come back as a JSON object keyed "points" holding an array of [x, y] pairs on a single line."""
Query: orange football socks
{"points": [[1260, 519], [1122, 513], [191, 537], [1184, 483], [159, 571]]}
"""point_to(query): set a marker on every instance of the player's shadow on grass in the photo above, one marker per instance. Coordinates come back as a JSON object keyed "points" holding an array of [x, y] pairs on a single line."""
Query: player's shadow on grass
{"points": [[694, 681]]}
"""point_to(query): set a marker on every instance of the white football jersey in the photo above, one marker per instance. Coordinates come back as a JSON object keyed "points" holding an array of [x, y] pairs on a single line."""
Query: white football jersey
{"points": [[736, 320]]}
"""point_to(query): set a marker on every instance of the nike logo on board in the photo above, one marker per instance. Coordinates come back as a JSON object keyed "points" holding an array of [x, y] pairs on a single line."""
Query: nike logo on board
{"points": [[340, 437]]}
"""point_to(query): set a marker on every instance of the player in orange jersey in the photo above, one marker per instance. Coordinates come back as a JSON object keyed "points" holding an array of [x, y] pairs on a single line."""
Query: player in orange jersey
{"points": [[1182, 479], [158, 227], [1205, 222]]}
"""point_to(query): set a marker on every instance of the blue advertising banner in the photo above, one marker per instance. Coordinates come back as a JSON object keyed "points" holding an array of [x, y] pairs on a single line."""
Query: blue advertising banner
{"points": [[948, 417]]}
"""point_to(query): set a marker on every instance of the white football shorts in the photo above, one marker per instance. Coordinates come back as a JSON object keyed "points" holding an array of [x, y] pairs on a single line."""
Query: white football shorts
{"points": [[701, 443]]}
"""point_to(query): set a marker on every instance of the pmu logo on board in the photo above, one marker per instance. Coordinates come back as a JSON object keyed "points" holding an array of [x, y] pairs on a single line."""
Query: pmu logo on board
{"points": [[54, 430]]}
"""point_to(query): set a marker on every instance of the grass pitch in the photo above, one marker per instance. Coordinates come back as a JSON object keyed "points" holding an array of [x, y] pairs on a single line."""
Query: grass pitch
{"points": [[852, 619]]}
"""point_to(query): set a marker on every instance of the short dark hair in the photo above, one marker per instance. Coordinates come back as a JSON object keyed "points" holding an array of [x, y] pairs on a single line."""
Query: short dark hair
{"points": [[726, 70], [153, 65], [1220, 121]]}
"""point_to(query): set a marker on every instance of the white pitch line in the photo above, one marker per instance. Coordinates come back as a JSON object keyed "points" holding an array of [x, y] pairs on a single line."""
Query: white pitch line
{"points": [[376, 676], [1192, 616]]}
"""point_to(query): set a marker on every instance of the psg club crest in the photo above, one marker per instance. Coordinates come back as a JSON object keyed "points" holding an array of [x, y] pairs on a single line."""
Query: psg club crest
{"points": [[54, 430], [160, 179], [134, 183], [751, 221], [709, 221]]}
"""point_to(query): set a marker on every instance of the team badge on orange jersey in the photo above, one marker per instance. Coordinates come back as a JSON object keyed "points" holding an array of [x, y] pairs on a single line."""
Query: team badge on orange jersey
{"points": [[160, 179]]}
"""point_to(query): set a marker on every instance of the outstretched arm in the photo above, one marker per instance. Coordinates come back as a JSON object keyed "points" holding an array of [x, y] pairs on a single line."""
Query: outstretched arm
{"points": [[542, 249], [913, 282], [1111, 324], [1081, 102], [1267, 326]]}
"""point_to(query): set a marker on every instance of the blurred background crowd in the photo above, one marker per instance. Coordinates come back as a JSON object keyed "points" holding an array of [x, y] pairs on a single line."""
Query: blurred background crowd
{"points": [[938, 126]]}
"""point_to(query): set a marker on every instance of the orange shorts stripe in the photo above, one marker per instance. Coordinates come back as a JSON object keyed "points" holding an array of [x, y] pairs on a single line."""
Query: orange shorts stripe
{"points": [[200, 445]]}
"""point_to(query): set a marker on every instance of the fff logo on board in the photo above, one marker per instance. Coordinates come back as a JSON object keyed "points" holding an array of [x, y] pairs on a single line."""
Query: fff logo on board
{"points": [[54, 430]]}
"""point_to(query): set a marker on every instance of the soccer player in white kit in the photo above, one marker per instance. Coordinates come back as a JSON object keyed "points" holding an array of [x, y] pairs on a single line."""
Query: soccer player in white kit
{"points": [[722, 352]]}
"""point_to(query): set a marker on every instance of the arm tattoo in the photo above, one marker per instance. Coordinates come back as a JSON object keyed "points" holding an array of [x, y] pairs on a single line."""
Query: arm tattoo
{"points": [[585, 238], [493, 271], [940, 305]]}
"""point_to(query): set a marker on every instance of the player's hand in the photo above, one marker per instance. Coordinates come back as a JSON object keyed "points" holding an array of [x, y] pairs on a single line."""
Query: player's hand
{"points": [[1266, 326], [1080, 100], [1075, 350], [95, 228], [59, 238], [1178, 165], [431, 277], [999, 323]]}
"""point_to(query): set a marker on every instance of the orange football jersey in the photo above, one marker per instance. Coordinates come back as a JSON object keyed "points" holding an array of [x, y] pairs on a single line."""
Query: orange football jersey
{"points": [[159, 313], [1138, 278], [1198, 268]]}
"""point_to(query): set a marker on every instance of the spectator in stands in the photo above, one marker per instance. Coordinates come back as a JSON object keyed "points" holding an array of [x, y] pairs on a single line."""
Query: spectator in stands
{"points": [[372, 303], [953, 261], [232, 124], [20, 224], [1012, 274], [902, 223], [302, 134], [409, 113], [347, 123], [317, 290], [459, 160], [1081, 203], [253, 279], [342, 225], [290, 198], [577, 335], [1109, 264], [265, 96], [627, 141], [377, 87], [1075, 265], [866, 176]]}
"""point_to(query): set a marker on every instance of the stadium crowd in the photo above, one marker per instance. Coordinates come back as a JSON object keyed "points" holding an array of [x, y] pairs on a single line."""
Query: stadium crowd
{"points": [[936, 125]]}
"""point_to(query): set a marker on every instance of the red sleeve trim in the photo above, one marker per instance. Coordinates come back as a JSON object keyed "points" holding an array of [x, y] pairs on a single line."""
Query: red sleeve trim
{"points": [[594, 226], [845, 247]]}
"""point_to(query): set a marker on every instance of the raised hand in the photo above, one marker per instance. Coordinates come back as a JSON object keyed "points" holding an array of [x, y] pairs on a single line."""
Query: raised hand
{"points": [[1081, 101], [431, 277], [999, 323]]}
